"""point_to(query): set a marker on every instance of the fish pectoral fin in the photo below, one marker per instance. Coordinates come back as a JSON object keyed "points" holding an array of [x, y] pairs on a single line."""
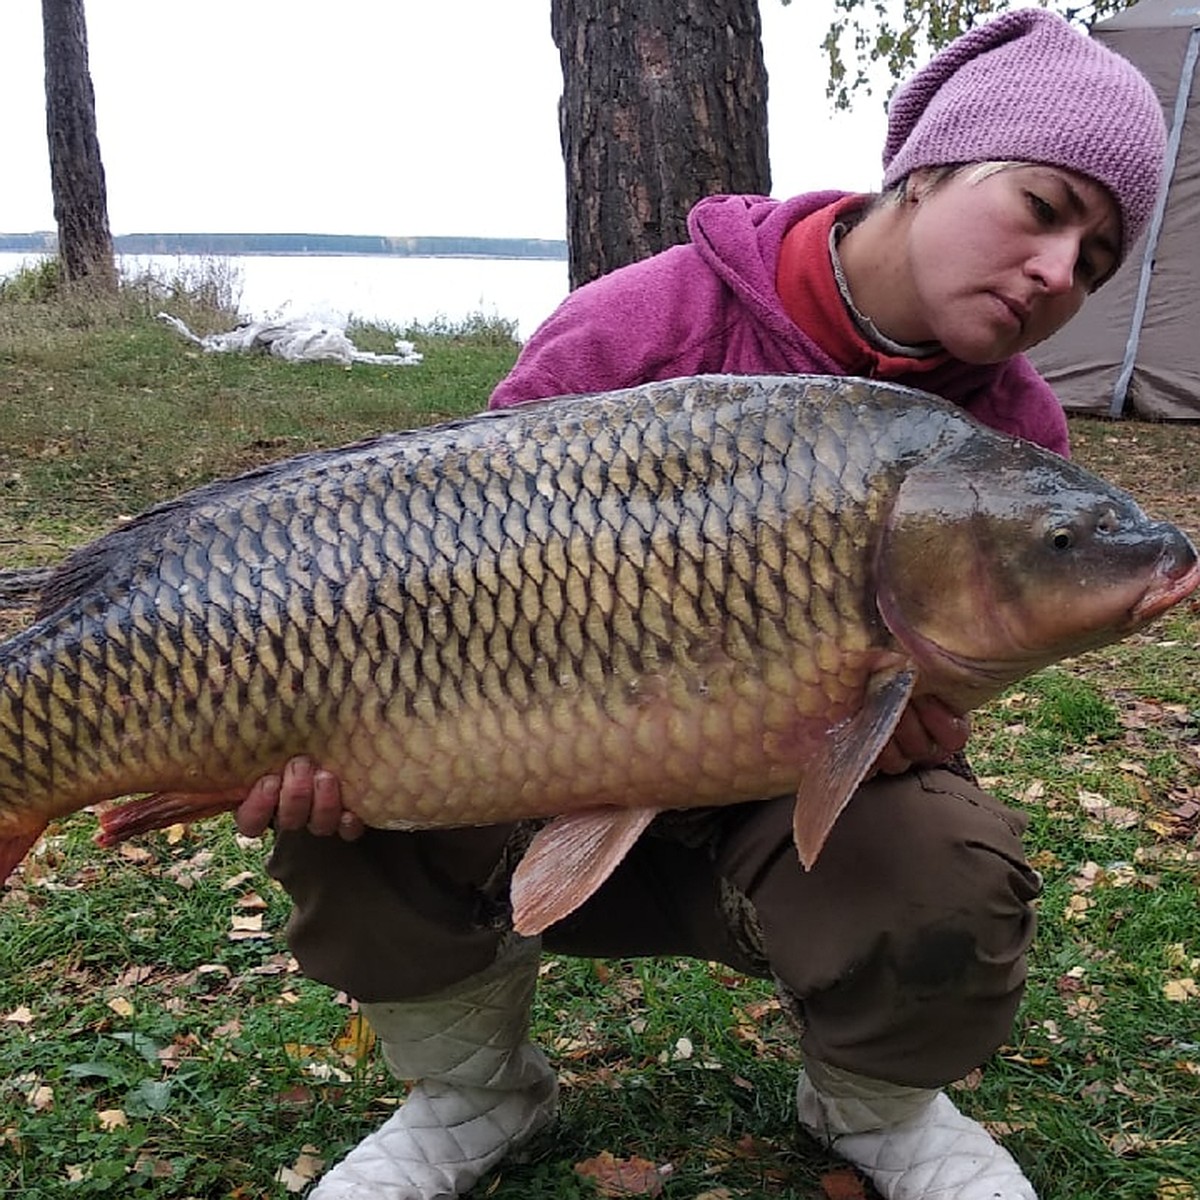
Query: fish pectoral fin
{"points": [[568, 860], [845, 758], [13, 849]]}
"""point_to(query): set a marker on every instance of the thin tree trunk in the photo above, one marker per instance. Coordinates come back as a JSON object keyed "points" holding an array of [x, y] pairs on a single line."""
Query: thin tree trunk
{"points": [[85, 247], [664, 102]]}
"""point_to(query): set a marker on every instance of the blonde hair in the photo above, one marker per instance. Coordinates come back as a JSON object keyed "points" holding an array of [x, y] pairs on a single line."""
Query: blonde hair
{"points": [[972, 172]]}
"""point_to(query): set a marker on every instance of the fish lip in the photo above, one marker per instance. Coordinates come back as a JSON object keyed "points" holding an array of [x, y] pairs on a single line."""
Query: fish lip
{"points": [[1157, 599]]}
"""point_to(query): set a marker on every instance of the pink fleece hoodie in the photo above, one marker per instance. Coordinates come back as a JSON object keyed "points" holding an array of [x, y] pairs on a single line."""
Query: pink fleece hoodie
{"points": [[710, 306]]}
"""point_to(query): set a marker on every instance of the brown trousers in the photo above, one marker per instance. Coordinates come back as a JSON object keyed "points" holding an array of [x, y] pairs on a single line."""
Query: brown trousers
{"points": [[904, 947]]}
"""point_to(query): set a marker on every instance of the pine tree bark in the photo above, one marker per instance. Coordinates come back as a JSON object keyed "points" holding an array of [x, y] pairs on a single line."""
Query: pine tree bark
{"points": [[85, 247], [664, 102]]}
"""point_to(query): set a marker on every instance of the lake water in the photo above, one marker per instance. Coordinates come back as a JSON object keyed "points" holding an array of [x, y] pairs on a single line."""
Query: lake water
{"points": [[376, 287]]}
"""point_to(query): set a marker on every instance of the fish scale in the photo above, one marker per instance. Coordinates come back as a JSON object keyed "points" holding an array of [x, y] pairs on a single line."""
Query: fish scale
{"points": [[663, 597]]}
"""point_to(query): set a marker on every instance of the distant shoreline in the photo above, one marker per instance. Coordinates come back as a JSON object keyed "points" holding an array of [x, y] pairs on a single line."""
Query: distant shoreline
{"points": [[292, 244]]}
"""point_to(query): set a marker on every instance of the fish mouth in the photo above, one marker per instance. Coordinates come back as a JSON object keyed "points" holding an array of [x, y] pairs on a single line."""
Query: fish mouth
{"points": [[1165, 592]]}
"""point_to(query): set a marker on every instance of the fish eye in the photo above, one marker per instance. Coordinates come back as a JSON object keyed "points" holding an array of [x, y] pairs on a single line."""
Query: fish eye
{"points": [[1062, 538]]}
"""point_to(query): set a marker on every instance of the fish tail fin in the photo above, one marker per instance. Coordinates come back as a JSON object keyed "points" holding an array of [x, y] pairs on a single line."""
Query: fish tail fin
{"points": [[13, 849], [162, 809]]}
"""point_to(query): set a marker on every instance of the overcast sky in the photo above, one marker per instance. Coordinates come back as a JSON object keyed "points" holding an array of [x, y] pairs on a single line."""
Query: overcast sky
{"points": [[394, 117]]}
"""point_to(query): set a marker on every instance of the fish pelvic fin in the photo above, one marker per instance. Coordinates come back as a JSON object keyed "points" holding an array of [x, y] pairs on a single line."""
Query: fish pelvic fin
{"points": [[124, 821], [846, 758], [568, 860], [13, 849]]}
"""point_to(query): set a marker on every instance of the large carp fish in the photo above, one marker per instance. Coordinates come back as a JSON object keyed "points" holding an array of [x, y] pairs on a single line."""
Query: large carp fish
{"points": [[697, 592]]}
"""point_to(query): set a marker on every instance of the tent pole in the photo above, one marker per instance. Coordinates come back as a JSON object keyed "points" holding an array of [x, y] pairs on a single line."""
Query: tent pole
{"points": [[1182, 95]]}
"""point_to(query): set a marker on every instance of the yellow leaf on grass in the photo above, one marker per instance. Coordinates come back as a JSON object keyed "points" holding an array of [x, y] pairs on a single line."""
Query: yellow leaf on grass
{"points": [[302, 1172], [121, 1006], [1181, 990], [20, 1016], [245, 929], [356, 1040], [112, 1118]]}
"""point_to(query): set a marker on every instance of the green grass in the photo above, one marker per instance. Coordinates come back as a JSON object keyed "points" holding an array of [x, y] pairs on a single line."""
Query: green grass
{"points": [[150, 1049]]}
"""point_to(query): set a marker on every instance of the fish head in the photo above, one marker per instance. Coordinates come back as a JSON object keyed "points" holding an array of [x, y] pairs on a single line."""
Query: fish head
{"points": [[999, 558]]}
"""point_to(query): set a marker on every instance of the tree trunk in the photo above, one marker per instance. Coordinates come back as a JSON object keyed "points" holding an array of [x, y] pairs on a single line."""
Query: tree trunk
{"points": [[664, 102], [85, 247]]}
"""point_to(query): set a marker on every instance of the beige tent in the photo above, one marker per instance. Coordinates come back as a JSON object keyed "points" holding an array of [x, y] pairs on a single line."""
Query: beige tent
{"points": [[1135, 347]]}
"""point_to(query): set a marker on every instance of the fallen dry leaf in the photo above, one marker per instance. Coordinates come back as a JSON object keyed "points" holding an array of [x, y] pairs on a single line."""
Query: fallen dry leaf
{"points": [[302, 1172], [842, 1185], [623, 1176], [1100, 808], [356, 1040], [1181, 990], [132, 976], [112, 1118], [246, 929]]}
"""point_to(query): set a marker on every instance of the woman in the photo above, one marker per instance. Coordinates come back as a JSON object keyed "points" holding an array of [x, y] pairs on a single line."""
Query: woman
{"points": [[1021, 164]]}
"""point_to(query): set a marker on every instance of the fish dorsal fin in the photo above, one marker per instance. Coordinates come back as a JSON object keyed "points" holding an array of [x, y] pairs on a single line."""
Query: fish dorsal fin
{"points": [[846, 756], [568, 860]]}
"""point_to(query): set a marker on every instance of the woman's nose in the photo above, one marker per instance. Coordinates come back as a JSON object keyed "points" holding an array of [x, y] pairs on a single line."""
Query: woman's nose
{"points": [[1054, 264]]}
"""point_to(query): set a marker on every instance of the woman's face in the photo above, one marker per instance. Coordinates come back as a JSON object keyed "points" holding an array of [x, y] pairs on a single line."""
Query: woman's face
{"points": [[998, 263]]}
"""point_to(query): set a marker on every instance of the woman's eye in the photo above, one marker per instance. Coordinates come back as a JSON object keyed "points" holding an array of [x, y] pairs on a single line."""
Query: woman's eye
{"points": [[1043, 209]]}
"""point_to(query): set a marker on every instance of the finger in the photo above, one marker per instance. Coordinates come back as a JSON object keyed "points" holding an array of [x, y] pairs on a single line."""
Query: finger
{"points": [[350, 827], [326, 814], [912, 740], [295, 794], [255, 813], [892, 761], [944, 727]]}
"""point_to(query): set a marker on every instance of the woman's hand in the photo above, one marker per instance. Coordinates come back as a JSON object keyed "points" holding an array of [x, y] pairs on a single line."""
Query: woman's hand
{"points": [[928, 733], [303, 797]]}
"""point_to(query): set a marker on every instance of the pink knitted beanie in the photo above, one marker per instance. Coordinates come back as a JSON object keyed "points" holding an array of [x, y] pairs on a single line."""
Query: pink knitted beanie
{"points": [[1028, 87]]}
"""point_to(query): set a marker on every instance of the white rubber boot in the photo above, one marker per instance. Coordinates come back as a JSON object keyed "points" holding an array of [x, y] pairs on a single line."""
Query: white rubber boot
{"points": [[912, 1143], [482, 1090]]}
